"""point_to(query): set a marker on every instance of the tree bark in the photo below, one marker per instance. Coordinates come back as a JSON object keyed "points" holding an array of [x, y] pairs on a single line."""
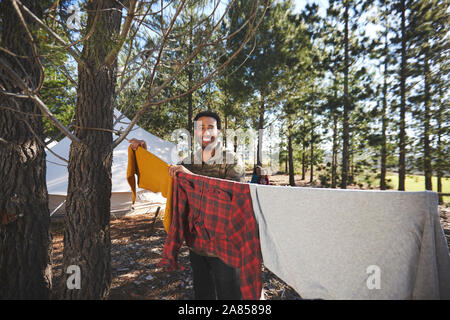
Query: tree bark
{"points": [[428, 170], [290, 155], [383, 116], [190, 79], [345, 128], [335, 151], [311, 146], [440, 155], [402, 133], [351, 176], [87, 240], [304, 165], [25, 241], [260, 132]]}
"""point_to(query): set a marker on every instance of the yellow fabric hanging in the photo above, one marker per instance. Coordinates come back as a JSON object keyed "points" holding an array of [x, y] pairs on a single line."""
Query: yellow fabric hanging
{"points": [[153, 175]]}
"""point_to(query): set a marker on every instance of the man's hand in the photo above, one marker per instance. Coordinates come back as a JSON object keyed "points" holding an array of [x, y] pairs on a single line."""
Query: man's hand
{"points": [[135, 143], [173, 169]]}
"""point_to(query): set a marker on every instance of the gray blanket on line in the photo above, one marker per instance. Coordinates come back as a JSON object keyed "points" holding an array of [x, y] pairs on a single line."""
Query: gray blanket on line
{"points": [[353, 244]]}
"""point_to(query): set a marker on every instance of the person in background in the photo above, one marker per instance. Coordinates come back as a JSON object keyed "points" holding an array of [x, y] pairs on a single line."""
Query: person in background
{"points": [[259, 176]]}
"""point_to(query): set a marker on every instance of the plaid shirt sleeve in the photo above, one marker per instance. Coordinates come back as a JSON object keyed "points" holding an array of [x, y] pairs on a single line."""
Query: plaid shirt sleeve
{"points": [[216, 216], [176, 235]]}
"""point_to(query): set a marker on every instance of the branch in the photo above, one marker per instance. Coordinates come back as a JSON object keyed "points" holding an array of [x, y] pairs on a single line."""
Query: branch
{"points": [[123, 111], [122, 85], [91, 31], [133, 37], [33, 46], [112, 56], [39, 139], [150, 102], [38, 101], [7, 142], [165, 34], [72, 52]]}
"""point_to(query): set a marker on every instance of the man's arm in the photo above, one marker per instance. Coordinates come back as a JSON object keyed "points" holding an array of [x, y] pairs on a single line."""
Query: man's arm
{"points": [[173, 169]]}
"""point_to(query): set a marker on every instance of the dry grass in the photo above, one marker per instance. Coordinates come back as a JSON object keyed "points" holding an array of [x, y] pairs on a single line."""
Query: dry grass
{"points": [[136, 248]]}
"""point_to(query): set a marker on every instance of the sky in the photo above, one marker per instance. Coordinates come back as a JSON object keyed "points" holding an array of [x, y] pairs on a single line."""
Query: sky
{"points": [[323, 4]]}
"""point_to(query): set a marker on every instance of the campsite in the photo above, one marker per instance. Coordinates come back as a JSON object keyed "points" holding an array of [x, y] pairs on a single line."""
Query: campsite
{"points": [[136, 248], [224, 150]]}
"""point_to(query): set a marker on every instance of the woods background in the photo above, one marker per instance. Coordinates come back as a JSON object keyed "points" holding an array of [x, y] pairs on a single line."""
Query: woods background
{"points": [[357, 89]]}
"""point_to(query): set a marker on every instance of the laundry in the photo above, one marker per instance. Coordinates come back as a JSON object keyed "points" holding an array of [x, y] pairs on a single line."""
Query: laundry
{"points": [[333, 244], [324, 243], [153, 175], [216, 216]]}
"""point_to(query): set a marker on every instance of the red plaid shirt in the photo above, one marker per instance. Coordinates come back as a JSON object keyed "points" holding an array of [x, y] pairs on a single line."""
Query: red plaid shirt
{"points": [[216, 216]]}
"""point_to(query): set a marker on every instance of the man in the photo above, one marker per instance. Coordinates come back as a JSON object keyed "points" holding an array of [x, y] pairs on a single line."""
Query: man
{"points": [[213, 279]]}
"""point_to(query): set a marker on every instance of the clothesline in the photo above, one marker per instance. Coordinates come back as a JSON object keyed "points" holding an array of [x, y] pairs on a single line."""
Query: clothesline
{"points": [[324, 243]]}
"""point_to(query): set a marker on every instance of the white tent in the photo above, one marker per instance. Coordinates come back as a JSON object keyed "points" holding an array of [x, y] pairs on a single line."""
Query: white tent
{"points": [[58, 176]]}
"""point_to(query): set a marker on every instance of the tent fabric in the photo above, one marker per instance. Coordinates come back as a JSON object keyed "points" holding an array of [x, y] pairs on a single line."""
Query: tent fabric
{"points": [[353, 244], [58, 176]]}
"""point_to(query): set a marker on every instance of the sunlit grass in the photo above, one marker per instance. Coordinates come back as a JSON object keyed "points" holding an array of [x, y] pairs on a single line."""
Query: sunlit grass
{"points": [[417, 183]]}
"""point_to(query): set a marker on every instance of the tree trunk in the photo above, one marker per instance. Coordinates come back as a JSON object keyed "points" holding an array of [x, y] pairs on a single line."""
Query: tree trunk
{"points": [[428, 170], [25, 241], [190, 106], [351, 177], [260, 132], [290, 155], [439, 187], [87, 242], [190, 79], [384, 118], [311, 146], [335, 151], [345, 128], [440, 156], [225, 142], [335, 145], [402, 133], [304, 165]]}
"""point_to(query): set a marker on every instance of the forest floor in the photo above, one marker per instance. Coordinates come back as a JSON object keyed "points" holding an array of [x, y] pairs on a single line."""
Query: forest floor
{"points": [[136, 248], [137, 242]]}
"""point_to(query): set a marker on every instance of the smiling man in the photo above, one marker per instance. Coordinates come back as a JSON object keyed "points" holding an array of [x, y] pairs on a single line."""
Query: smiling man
{"points": [[213, 279], [213, 160]]}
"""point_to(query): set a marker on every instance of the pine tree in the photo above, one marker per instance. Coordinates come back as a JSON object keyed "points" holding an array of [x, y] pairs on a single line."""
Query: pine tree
{"points": [[25, 241]]}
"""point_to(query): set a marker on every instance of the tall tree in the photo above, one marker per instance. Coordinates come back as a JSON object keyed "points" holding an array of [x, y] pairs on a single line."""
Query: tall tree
{"points": [[87, 241], [429, 30], [25, 241], [333, 63], [403, 108], [345, 124], [384, 112], [347, 15], [262, 71], [100, 41]]}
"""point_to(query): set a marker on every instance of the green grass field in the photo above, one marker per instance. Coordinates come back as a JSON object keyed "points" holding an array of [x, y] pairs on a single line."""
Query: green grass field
{"points": [[417, 183]]}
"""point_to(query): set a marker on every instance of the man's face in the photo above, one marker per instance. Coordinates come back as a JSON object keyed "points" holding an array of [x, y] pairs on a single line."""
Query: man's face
{"points": [[205, 130]]}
